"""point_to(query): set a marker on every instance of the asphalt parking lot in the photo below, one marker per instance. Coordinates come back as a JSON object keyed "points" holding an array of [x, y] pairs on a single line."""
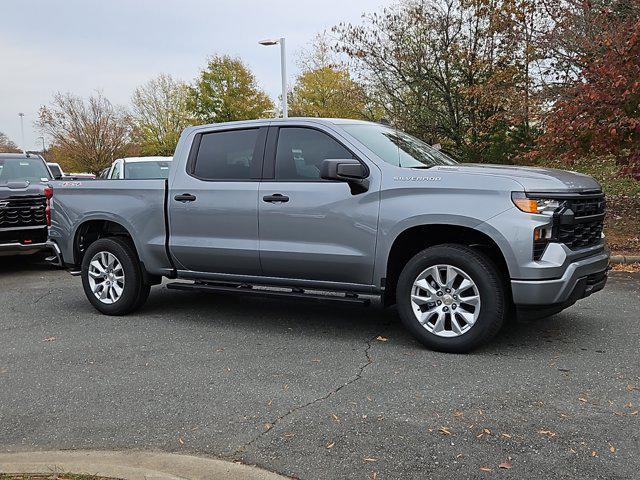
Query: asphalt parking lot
{"points": [[319, 391]]}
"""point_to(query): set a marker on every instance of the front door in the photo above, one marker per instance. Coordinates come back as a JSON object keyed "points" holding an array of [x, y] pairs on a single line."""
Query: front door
{"points": [[213, 208], [314, 229]]}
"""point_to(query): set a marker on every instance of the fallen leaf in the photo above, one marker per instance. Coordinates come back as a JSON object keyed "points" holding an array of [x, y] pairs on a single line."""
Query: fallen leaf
{"points": [[315, 360], [445, 431], [335, 418], [459, 455], [49, 339], [506, 465], [485, 469], [594, 453], [380, 338], [370, 459], [288, 434], [612, 449], [330, 444], [458, 413], [373, 476], [181, 440], [548, 433], [505, 435], [218, 350], [267, 426], [583, 400]]}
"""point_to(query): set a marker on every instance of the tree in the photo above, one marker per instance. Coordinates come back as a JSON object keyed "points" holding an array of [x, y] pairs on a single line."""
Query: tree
{"points": [[159, 114], [599, 112], [325, 88], [6, 145], [88, 135], [226, 90], [454, 72]]}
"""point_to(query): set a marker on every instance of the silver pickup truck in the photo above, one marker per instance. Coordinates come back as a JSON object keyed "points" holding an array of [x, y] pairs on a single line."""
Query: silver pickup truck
{"points": [[340, 210]]}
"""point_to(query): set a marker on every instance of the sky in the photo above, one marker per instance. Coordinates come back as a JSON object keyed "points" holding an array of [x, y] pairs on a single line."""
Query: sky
{"points": [[79, 46]]}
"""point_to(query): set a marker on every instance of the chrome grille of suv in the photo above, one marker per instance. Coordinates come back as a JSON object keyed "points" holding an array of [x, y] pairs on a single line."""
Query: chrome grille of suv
{"points": [[19, 212]]}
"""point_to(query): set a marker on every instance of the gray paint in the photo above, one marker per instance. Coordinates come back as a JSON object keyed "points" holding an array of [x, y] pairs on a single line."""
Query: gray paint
{"points": [[324, 235]]}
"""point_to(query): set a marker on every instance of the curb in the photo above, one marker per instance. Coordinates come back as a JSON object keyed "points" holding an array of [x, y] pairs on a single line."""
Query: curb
{"points": [[623, 259], [131, 465]]}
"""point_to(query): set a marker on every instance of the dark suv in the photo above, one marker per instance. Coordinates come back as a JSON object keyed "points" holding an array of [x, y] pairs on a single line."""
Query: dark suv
{"points": [[25, 197]]}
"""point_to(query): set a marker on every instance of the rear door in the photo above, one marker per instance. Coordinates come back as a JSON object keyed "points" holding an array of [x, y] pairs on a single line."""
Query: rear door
{"points": [[213, 206], [310, 228]]}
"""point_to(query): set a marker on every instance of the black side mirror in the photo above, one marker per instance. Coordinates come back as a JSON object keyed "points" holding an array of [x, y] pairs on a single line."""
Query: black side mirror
{"points": [[346, 170]]}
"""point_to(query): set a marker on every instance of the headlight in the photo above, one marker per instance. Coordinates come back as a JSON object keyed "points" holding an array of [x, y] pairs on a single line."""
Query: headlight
{"points": [[543, 206]]}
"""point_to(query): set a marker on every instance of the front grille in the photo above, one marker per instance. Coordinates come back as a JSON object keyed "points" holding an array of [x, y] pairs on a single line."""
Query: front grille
{"points": [[577, 222], [17, 212], [581, 221]]}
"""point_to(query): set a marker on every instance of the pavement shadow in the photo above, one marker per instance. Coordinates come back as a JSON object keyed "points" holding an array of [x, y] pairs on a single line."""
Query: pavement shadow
{"points": [[10, 265]]}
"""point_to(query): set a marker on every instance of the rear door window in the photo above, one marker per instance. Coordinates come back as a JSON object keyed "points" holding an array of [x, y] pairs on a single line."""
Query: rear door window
{"points": [[228, 155]]}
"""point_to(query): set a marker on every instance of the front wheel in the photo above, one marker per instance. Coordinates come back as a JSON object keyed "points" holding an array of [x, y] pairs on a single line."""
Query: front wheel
{"points": [[112, 277], [452, 298]]}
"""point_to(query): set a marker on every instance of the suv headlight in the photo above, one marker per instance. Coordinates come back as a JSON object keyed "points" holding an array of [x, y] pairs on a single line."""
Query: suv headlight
{"points": [[541, 206]]}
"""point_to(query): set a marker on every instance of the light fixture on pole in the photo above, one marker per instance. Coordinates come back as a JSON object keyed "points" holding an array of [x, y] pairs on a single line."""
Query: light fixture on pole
{"points": [[21, 115], [283, 68]]}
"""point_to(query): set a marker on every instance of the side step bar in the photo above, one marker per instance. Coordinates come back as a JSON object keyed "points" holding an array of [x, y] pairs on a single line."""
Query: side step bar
{"points": [[347, 298]]}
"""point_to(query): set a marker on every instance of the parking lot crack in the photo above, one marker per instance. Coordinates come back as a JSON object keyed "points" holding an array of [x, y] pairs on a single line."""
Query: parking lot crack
{"points": [[354, 378]]}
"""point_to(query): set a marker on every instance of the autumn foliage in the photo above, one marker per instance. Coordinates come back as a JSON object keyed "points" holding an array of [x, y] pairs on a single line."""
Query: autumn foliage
{"points": [[600, 113]]}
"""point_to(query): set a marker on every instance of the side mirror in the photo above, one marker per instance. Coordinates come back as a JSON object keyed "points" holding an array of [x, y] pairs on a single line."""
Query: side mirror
{"points": [[346, 170]]}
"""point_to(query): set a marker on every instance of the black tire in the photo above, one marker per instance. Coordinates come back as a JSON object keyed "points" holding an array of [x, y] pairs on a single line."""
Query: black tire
{"points": [[490, 286], [135, 291]]}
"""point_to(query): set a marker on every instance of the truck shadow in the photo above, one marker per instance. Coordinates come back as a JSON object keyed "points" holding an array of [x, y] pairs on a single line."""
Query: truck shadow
{"points": [[306, 318], [10, 265]]}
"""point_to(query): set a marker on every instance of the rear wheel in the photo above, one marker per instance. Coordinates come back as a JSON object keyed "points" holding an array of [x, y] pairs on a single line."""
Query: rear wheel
{"points": [[452, 298], [112, 277]]}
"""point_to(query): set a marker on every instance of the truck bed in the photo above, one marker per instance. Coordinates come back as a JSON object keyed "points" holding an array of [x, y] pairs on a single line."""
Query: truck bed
{"points": [[137, 205]]}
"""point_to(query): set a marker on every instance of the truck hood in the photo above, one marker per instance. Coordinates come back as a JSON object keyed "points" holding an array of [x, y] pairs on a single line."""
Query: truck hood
{"points": [[20, 188], [532, 179]]}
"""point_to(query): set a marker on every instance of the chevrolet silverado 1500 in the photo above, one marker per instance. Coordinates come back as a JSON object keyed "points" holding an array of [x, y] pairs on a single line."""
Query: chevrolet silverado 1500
{"points": [[341, 206]]}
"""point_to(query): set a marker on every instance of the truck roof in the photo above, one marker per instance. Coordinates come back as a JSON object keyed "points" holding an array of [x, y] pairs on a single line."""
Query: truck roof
{"points": [[6, 156], [322, 121], [146, 159]]}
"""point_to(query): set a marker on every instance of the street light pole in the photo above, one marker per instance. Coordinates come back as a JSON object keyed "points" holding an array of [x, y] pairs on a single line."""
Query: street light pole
{"points": [[43, 149], [21, 115], [283, 72], [283, 69]]}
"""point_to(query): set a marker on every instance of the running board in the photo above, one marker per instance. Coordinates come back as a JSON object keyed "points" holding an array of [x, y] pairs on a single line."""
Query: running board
{"points": [[347, 298]]}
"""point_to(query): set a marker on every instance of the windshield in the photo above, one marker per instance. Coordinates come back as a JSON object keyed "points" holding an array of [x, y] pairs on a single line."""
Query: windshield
{"points": [[17, 169], [398, 148], [147, 169]]}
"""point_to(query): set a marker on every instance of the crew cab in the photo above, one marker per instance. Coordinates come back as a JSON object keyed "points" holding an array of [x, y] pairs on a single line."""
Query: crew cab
{"points": [[25, 196], [340, 210]]}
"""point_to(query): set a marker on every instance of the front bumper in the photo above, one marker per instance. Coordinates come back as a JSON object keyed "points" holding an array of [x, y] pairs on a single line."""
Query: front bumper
{"points": [[580, 279]]}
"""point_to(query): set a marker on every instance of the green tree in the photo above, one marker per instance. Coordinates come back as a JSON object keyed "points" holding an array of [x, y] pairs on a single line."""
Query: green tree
{"points": [[325, 88], [226, 90], [159, 114], [7, 145]]}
